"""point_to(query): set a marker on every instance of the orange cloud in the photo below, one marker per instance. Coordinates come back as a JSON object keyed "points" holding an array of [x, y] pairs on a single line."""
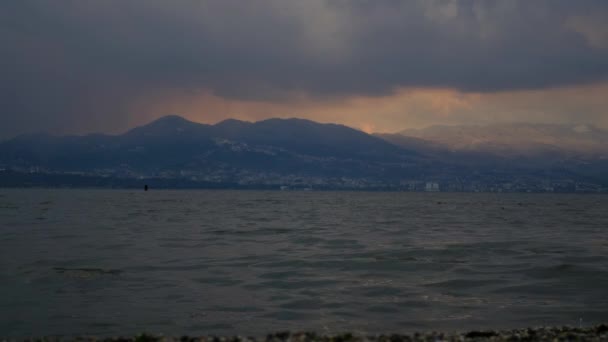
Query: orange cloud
{"points": [[404, 108]]}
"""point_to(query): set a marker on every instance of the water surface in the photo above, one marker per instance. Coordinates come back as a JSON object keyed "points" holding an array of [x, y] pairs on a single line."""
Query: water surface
{"points": [[108, 262]]}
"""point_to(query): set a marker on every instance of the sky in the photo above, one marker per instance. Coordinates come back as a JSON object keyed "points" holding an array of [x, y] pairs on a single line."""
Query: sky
{"points": [[81, 66]]}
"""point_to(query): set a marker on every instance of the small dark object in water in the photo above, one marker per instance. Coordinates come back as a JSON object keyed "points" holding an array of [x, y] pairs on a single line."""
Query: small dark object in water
{"points": [[146, 187]]}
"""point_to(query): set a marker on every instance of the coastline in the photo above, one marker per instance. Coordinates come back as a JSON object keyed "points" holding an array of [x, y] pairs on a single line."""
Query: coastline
{"points": [[595, 333]]}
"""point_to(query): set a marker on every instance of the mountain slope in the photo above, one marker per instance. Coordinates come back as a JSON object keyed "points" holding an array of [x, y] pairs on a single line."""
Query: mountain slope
{"points": [[570, 153], [308, 137], [295, 151], [517, 139], [173, 144]]}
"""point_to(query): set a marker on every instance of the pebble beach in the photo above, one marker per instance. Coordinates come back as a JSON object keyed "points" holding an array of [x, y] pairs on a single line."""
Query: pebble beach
{"points": [[596, 333]]}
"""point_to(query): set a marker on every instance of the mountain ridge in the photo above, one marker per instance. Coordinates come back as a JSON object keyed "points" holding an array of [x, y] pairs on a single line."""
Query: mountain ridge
{"points": [[173, 143], [279, 151], [517, 138]]}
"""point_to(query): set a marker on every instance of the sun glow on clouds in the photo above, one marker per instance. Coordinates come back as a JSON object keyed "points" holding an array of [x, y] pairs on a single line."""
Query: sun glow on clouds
{"points": [[403, 108]]}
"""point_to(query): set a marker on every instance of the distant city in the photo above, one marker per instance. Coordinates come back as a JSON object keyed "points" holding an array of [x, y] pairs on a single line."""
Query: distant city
{"points": [[36, 177]]}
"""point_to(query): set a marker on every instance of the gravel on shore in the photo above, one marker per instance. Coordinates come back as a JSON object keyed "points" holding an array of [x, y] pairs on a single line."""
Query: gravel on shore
{"points": [[596, 333]]}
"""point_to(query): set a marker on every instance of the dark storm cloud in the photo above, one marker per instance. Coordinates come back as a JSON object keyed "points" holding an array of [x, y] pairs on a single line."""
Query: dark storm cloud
{"points": [[77, 65]]}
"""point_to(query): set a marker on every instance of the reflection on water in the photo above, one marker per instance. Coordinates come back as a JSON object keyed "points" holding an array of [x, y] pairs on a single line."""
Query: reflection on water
{"points": [[227, 262]]}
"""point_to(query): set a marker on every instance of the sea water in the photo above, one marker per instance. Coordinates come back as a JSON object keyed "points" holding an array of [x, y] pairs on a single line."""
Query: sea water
{"points": [[118, 262]]}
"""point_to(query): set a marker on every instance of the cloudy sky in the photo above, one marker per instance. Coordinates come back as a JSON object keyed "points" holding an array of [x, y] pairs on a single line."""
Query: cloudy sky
{"points": [[378, 65]]}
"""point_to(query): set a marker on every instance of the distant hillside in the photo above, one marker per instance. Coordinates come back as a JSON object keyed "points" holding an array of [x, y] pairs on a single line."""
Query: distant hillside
{"points": [[517, 139], [296, 135], [569, 152], [173, 144], [302, 153]]}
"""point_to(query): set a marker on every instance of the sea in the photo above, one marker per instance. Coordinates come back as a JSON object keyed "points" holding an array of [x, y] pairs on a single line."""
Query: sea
{"points": [[123, 262]]}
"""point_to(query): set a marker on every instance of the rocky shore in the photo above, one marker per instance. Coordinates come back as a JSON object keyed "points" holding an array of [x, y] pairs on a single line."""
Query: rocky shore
{"points": [[597, 333]]}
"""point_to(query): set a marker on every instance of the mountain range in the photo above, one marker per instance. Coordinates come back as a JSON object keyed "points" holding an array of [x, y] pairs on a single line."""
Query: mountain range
{"points": [[299, 152], [517, 139]]}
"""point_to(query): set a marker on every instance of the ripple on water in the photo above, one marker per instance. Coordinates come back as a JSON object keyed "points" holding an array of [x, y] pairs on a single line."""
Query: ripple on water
{"points": [[380, 291], [87, 272], [347, 261], [281, 275], [386, 308], [288, 315], [219, 281], [343, 243], [464, 284], [305, 304], [294, 285], [238, 309]]}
